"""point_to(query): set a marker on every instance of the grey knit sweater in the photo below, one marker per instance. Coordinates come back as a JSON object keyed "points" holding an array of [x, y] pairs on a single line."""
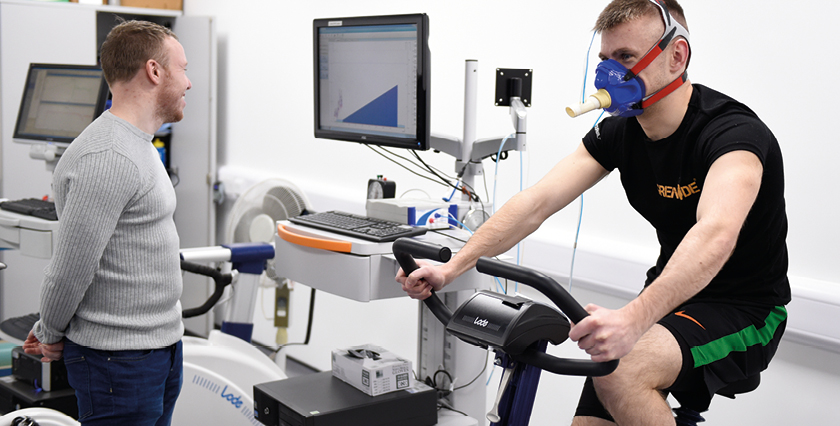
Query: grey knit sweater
{"points": [[114, 279]]}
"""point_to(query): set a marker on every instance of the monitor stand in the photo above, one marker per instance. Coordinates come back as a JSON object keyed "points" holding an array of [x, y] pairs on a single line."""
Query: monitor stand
{"points": [[48, 152], [461, 358], [469, 151]]}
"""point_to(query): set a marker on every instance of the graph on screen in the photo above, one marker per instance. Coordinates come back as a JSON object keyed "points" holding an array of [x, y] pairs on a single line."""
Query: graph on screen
{"points": [[381, 111], [368, 80]]}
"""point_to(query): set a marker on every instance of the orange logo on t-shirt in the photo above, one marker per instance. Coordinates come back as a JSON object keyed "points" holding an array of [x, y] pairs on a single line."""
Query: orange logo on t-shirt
{"points": [[680, 191]]}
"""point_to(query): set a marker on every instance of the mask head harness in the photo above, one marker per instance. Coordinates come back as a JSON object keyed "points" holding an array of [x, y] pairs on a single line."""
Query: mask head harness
{"points": [[627, 91]]}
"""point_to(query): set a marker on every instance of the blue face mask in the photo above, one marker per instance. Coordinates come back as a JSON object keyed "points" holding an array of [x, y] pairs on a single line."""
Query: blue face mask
{"points": [[625, 95], [626, 89]]}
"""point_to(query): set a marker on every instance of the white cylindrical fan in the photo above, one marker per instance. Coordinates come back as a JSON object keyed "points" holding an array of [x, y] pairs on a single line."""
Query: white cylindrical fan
{"points": [[256, 212]]}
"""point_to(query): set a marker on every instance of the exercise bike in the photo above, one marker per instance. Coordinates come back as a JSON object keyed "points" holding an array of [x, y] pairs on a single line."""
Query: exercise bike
{"points": [[517, 329], [219, 371]]}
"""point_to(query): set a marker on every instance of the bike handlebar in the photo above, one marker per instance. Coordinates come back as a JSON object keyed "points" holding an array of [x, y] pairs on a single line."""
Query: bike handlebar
{"points": [[219, 279], [537, 280], [404, 248]]}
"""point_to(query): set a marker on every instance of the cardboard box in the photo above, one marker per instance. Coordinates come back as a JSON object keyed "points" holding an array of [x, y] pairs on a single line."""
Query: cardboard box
{"points": [[154, 4], [371, 369]]}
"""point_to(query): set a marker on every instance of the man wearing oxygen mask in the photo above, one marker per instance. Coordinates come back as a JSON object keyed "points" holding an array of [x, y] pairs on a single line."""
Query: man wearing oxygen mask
{"points": [[707, 174]]}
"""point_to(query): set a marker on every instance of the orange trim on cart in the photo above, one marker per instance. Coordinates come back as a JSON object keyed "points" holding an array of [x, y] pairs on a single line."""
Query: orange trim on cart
{"points": [[302, 240]]}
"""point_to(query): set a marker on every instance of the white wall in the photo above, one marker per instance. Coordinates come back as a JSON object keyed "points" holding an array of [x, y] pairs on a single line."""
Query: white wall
{"points": [[769, 55], [772, 55]]}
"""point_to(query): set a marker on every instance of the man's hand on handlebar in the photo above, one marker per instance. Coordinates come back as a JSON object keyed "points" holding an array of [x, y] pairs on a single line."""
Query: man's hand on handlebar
{"points": [[420, 283], [605, 334]]}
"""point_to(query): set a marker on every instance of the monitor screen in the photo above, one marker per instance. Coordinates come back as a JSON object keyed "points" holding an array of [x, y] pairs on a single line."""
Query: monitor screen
{"points": [[59, 101], [372, 80]]}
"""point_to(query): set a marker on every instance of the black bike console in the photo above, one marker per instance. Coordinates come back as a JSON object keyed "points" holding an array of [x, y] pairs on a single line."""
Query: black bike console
{"points": [[508, 323]]}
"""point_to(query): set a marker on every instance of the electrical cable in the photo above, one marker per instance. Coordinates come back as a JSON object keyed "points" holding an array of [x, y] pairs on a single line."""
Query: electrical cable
{"points": [[496, 172], [418, 190], [444, 179], [308, 324], [574, 247], [437, 231], [395, 154], [483, 369], [495, 185], [432, 168], [406, 168], [470, 191], [486, 194], [432, 381], [262, 304], [586, 68], [444, 404], [580, 215], [519, 244], [426, 167]]}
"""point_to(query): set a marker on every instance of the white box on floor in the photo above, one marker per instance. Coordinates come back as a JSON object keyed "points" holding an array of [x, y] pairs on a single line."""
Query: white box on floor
{"points": [[372, 369]]}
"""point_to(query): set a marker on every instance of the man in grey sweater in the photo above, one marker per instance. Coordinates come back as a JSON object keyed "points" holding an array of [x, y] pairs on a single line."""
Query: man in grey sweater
{"points": [[110, 298]]}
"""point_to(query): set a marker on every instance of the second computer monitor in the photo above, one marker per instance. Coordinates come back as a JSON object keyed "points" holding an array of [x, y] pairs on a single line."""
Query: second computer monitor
{"points": [[58, 102]]}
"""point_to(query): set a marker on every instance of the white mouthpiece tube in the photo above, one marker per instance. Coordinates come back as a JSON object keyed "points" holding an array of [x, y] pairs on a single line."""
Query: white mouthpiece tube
{"points": [[599, 99]]}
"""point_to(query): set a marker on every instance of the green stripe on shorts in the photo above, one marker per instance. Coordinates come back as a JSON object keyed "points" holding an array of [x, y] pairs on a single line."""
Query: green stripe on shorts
{"points": [[739, 342]]}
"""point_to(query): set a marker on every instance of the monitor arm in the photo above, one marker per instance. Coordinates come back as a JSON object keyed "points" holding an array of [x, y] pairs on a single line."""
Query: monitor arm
{"points": [[513, 89]]}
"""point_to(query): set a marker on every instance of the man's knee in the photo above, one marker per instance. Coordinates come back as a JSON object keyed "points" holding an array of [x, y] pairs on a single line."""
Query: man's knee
{"points": [[654, 363]]}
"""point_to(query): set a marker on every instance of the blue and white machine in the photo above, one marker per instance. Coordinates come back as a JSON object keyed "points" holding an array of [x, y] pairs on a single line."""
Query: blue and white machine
{"points": [[220, 371]]}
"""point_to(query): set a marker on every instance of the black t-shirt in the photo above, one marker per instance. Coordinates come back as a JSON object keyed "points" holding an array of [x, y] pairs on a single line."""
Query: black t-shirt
{"points": [[663, 181]]}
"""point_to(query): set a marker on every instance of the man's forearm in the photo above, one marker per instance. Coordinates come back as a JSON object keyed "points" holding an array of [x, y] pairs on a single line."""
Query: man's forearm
{"points": [[512, 223], [698, 259], [728, 194]]}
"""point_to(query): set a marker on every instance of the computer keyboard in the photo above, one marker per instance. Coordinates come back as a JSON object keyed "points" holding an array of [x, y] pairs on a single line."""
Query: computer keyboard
{"points": [[362, 227], [31, 206]]}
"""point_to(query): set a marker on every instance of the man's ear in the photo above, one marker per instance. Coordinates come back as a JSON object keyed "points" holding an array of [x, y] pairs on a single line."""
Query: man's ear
{"points": [[153, 71], [680, 55]]}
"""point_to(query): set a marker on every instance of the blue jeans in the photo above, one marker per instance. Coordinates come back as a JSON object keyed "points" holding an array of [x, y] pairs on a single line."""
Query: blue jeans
{"points": [[126, 388]]}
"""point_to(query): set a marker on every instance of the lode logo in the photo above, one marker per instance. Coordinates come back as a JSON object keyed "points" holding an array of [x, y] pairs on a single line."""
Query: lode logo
{"points": [[481, 322], [235, 400]]}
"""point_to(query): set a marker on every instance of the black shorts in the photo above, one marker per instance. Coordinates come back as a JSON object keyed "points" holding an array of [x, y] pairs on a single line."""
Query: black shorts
{"points": [[720, 344]]}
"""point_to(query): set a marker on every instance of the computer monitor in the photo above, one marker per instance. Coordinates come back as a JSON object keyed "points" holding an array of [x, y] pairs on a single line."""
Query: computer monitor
{"points": [[372, 80], [58, 102]]}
